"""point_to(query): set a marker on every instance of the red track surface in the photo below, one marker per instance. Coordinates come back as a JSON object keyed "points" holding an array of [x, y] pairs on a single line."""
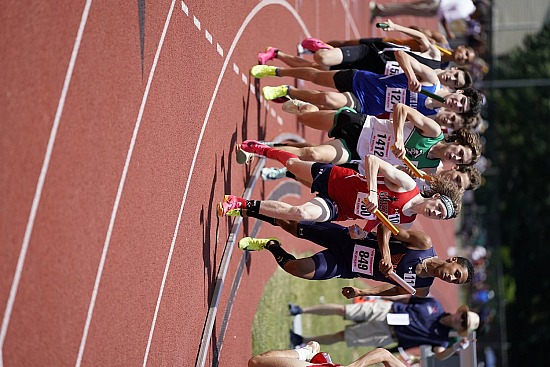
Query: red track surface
{"points": [[123, 163]]}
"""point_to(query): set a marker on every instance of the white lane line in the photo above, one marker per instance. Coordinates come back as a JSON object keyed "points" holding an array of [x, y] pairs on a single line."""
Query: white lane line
{"points": [[42, 177], [236, 69], [208, 36], [219, 49], [119, 191], [197, 23], [244, 78], [350, 18], [247, 20], [185, 8]]}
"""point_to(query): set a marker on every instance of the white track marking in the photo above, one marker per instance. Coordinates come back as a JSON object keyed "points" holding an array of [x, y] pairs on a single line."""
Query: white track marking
{"points": [[219, 49], [247, 20], [350, 18], [185, 8], [197, 23], [244, 79], [119, 191], [208, 36], [42, 177], [236, 69]]}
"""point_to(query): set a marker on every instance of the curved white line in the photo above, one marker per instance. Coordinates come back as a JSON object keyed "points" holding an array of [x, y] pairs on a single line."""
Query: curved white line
{"points": [[350, 19], [119, 191], [42, 178], [247, 20]]}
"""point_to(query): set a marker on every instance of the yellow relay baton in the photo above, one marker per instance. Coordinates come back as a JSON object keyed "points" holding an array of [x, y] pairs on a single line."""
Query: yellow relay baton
{"points": [[415, 170], [444, 50], [386, 221]]}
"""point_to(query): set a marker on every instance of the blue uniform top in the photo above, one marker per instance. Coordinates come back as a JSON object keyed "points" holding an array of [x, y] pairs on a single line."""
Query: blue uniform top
{"points": [[349, 258], [379, 93], [424, 326]]}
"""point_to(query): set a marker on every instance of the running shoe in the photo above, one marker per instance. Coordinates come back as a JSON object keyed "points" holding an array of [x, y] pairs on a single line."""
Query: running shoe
{"points": [[253, 146], [295, 339], [314, 44], [271, 93], [243, 157], [273, 173], [229, 202], [269, 54], [234, 213], [294, 310], [301, 50], [261, 71], [294, 105], [255, 244]]}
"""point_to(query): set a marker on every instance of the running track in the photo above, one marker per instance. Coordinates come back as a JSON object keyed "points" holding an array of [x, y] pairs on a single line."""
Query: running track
{"points": [[118, 126]]}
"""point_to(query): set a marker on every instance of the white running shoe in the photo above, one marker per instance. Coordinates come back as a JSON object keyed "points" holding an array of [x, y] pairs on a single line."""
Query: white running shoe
{"points": [[294, 106], [272, 173]]}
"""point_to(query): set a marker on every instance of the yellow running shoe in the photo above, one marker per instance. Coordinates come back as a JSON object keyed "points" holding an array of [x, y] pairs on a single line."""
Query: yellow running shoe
{"points": [[261, 71], [255, 244], [271, 93]]}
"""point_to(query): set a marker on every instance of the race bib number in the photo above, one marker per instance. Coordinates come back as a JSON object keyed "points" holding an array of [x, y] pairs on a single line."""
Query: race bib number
{"points": [[410, 279], [394, 96], [363, 259], [392, 68], [380, 144], [360, 209]]}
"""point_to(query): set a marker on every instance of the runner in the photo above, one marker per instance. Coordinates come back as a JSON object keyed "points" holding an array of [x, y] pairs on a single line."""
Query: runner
{"points": [[343, 194], [353, 253]]}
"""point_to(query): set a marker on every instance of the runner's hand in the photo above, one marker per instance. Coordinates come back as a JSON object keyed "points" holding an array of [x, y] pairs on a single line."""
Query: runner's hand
{"points": [[385, 266], [414, 85], [356, 232], [391, 26], [371, 203], [398, 149]]}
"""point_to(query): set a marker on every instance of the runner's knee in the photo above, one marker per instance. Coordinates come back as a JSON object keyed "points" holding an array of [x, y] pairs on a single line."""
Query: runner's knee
{"points": [[323, 57], [312, 154]]}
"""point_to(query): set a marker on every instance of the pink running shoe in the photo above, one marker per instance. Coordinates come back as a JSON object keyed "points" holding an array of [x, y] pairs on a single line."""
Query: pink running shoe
{"points": [[229, 202], [253, 146], [314, 44], [269, 54]]}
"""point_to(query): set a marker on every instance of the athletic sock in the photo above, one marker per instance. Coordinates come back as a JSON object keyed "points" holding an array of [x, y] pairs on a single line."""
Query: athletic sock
{"points": [[280, 155], [281, 256], [253, 206]]}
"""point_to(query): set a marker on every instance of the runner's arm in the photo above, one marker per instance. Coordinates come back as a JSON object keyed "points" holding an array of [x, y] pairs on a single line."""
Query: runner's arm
{"points": [[378, 355], [410, 238], [394, 178], [413, 70], [423, 40], [427, 126]]}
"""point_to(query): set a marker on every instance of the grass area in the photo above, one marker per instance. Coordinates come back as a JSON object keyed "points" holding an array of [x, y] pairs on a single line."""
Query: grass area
{"points": [[272, 323]]}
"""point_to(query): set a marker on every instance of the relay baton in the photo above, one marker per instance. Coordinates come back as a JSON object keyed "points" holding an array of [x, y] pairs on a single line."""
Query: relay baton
{"points": [[444, 50], [412, 167], [386, 221], [415, 170], [382, 25], [432, 95], [396, 278]]}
